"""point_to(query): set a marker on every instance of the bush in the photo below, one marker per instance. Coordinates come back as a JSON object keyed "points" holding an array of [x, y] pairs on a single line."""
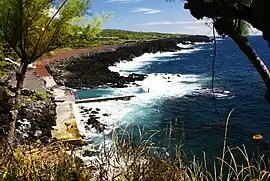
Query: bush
{"points": [[2, 58], [40, 96], [50, 162], [3, 65]]}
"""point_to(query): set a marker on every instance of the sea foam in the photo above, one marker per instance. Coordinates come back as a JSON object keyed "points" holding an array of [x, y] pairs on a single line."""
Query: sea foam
{"points": [[153, 90], [136, 65]]}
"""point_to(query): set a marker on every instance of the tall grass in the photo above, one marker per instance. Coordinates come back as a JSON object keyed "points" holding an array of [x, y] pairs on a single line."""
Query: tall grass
{"points": [[123, 161]]}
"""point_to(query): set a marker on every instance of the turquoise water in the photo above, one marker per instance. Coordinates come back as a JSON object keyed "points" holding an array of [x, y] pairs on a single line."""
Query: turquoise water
{"points": [[95, 93]]}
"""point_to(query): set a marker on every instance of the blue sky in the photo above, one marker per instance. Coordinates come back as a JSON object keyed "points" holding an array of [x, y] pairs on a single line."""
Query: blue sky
{"points": [[150, 15]]}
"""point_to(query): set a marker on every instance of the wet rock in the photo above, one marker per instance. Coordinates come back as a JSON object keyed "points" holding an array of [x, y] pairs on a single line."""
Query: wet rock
{"points": [[87, 128], [135, 77], [134, 83], [94, 112], [97, 109], [105, 114], [119, 85], [96, 124], [81, 107]]}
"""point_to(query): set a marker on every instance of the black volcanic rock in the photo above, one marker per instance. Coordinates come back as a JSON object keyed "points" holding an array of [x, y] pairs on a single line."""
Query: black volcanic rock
{"points": [[35, 119], [91, 69], [94, 112]]}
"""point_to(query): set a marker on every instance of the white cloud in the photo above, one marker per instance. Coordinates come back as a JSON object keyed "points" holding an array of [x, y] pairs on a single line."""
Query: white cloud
{"points": [[122, 1], [171, 23], [146, 10], [153, 12]]}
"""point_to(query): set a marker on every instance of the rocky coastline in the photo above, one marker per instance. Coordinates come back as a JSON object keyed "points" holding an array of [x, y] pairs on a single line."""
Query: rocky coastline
{"points": [[91, 69], [37, 113]]}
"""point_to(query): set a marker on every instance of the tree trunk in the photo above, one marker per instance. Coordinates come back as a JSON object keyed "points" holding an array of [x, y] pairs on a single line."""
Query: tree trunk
{"points": [[224, 26], [16, 104]]}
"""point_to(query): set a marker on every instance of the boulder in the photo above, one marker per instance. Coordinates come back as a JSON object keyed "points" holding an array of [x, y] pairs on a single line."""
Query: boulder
{"points": [[94, 112]]}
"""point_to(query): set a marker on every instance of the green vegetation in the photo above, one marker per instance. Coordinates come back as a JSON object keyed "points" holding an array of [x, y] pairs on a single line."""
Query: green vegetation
{"points": [[126, 161], [40, 96], [54, 52], [51, 162], [32, 28], [114, 36], [111, 37], [3, 65]]}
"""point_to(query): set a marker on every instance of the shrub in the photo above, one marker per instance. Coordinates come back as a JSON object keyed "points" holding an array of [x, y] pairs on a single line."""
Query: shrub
{"points": [[3, 65], [2, 58], [50, 162], [40, 96]]}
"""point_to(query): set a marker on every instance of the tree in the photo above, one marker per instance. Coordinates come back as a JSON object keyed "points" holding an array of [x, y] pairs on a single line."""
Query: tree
{"points": [[31, 28], [231, 18]]}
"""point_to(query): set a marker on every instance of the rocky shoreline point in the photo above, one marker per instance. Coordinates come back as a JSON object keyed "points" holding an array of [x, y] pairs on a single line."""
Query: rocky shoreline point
{"points": [[91, 69]]}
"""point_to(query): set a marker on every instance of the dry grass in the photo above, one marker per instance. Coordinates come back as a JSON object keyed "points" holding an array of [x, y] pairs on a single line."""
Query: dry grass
{"points": [[124, 162], [50, 162]]}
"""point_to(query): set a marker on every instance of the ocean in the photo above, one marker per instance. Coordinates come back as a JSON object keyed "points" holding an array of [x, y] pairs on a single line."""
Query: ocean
{"points": [[174, 105]]}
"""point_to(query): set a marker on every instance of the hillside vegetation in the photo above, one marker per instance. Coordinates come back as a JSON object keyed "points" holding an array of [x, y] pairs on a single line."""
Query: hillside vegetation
{"points": [[116, 36]]}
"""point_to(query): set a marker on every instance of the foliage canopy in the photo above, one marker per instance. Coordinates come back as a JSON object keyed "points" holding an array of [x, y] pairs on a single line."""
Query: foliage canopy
{"points": [[32, 28]]}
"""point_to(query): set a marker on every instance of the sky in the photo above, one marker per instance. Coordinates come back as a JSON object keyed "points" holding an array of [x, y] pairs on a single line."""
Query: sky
{"points": [[153, 15], [150, 15]]}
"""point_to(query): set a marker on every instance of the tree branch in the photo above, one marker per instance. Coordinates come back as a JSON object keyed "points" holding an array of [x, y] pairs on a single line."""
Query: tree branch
{"points": [[250, 14], [47, 26]]}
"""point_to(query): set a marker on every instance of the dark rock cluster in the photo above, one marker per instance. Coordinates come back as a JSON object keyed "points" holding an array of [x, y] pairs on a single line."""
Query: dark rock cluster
{"points": [[41, 114], [35, 119], [91, 69], [92, 119]]}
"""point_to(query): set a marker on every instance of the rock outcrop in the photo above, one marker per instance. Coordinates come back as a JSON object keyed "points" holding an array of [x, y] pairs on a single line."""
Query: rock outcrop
{"points": [[91, 69], [36, 118], [37, 112]]}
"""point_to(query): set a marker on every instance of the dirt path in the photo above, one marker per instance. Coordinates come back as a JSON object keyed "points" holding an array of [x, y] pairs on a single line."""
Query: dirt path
{"points": [[40, 64]]}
